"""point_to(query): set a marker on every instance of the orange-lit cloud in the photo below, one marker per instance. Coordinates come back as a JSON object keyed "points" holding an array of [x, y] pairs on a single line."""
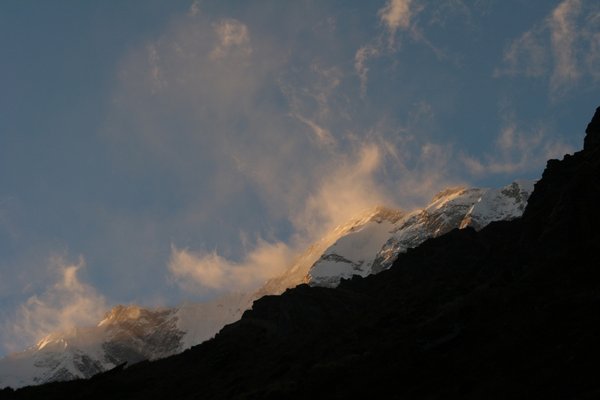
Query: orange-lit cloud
{"points": [[564, 34], [232, 35], [66, 304], [197, 271], [396, 15], [562, 48]]}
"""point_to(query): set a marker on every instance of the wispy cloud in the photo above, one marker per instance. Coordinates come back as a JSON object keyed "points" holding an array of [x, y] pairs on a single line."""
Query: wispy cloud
{"points": [[156, 75], [67, 304], [346, 190], [559, 49], [564, 34], [311, 103], [395, 15], [194, 9], [238, 135], [196, 271], [322, 135], [268, 142], [525, 56], [592, 58], [363, 54], [232, 35], [518, 150], [350, 185]]}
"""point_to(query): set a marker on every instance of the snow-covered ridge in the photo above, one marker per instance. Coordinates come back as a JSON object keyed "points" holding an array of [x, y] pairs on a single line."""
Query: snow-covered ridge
{"points": [[298, 272], [372, 246], [126, 334], [364, 245]]}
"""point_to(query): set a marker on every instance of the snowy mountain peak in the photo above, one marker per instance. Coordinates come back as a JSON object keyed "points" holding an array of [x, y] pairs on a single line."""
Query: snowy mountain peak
{"points": [[505, 203], [373, 245], [298, 272], [121, 313], [53, 340], [370, 242], [126, 334], [382, 213], [448, 193]]}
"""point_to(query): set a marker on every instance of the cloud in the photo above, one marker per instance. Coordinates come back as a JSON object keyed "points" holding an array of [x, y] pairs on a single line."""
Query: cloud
{"points": [[360, 64], [232, 36], [593, 55], [342, 193], [561, 49], [262, 127], [200, 271], [518, 151], [348, 186], [194, 9], [525, 56], [323, 136], [227, 134], [156, 75], [393, 16], [396, 15], [67, 304], [564, 34]]}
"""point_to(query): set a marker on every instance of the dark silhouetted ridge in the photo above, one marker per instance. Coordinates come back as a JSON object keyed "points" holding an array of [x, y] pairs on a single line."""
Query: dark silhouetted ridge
{"points": [[510, 311]]}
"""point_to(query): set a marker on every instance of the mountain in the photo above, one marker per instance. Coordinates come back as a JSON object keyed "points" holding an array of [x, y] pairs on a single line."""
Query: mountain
{"points": [[510, 311], [372, 245], [364, 245], [371, 242], [127, 334]]}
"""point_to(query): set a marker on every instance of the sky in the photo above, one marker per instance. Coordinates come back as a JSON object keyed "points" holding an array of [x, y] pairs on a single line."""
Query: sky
{"points": [[155, 152]]}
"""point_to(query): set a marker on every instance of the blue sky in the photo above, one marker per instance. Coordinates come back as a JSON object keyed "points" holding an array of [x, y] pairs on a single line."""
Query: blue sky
{"points": [[158, 151]]}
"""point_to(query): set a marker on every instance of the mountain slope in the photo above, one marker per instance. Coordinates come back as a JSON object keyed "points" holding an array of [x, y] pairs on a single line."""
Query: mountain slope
{"points": [[364, 245], [127, 334], [506, 312], [372, 246]]}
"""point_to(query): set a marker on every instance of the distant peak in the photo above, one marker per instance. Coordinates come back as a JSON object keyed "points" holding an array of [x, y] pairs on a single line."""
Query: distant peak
{"points": [[374, 214], [121, 313], [453, 190], [383, 213], [46, 340]]}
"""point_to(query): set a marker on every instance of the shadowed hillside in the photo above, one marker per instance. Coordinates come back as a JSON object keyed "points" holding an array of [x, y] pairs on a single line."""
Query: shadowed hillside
{"points": [[510, 311]]}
